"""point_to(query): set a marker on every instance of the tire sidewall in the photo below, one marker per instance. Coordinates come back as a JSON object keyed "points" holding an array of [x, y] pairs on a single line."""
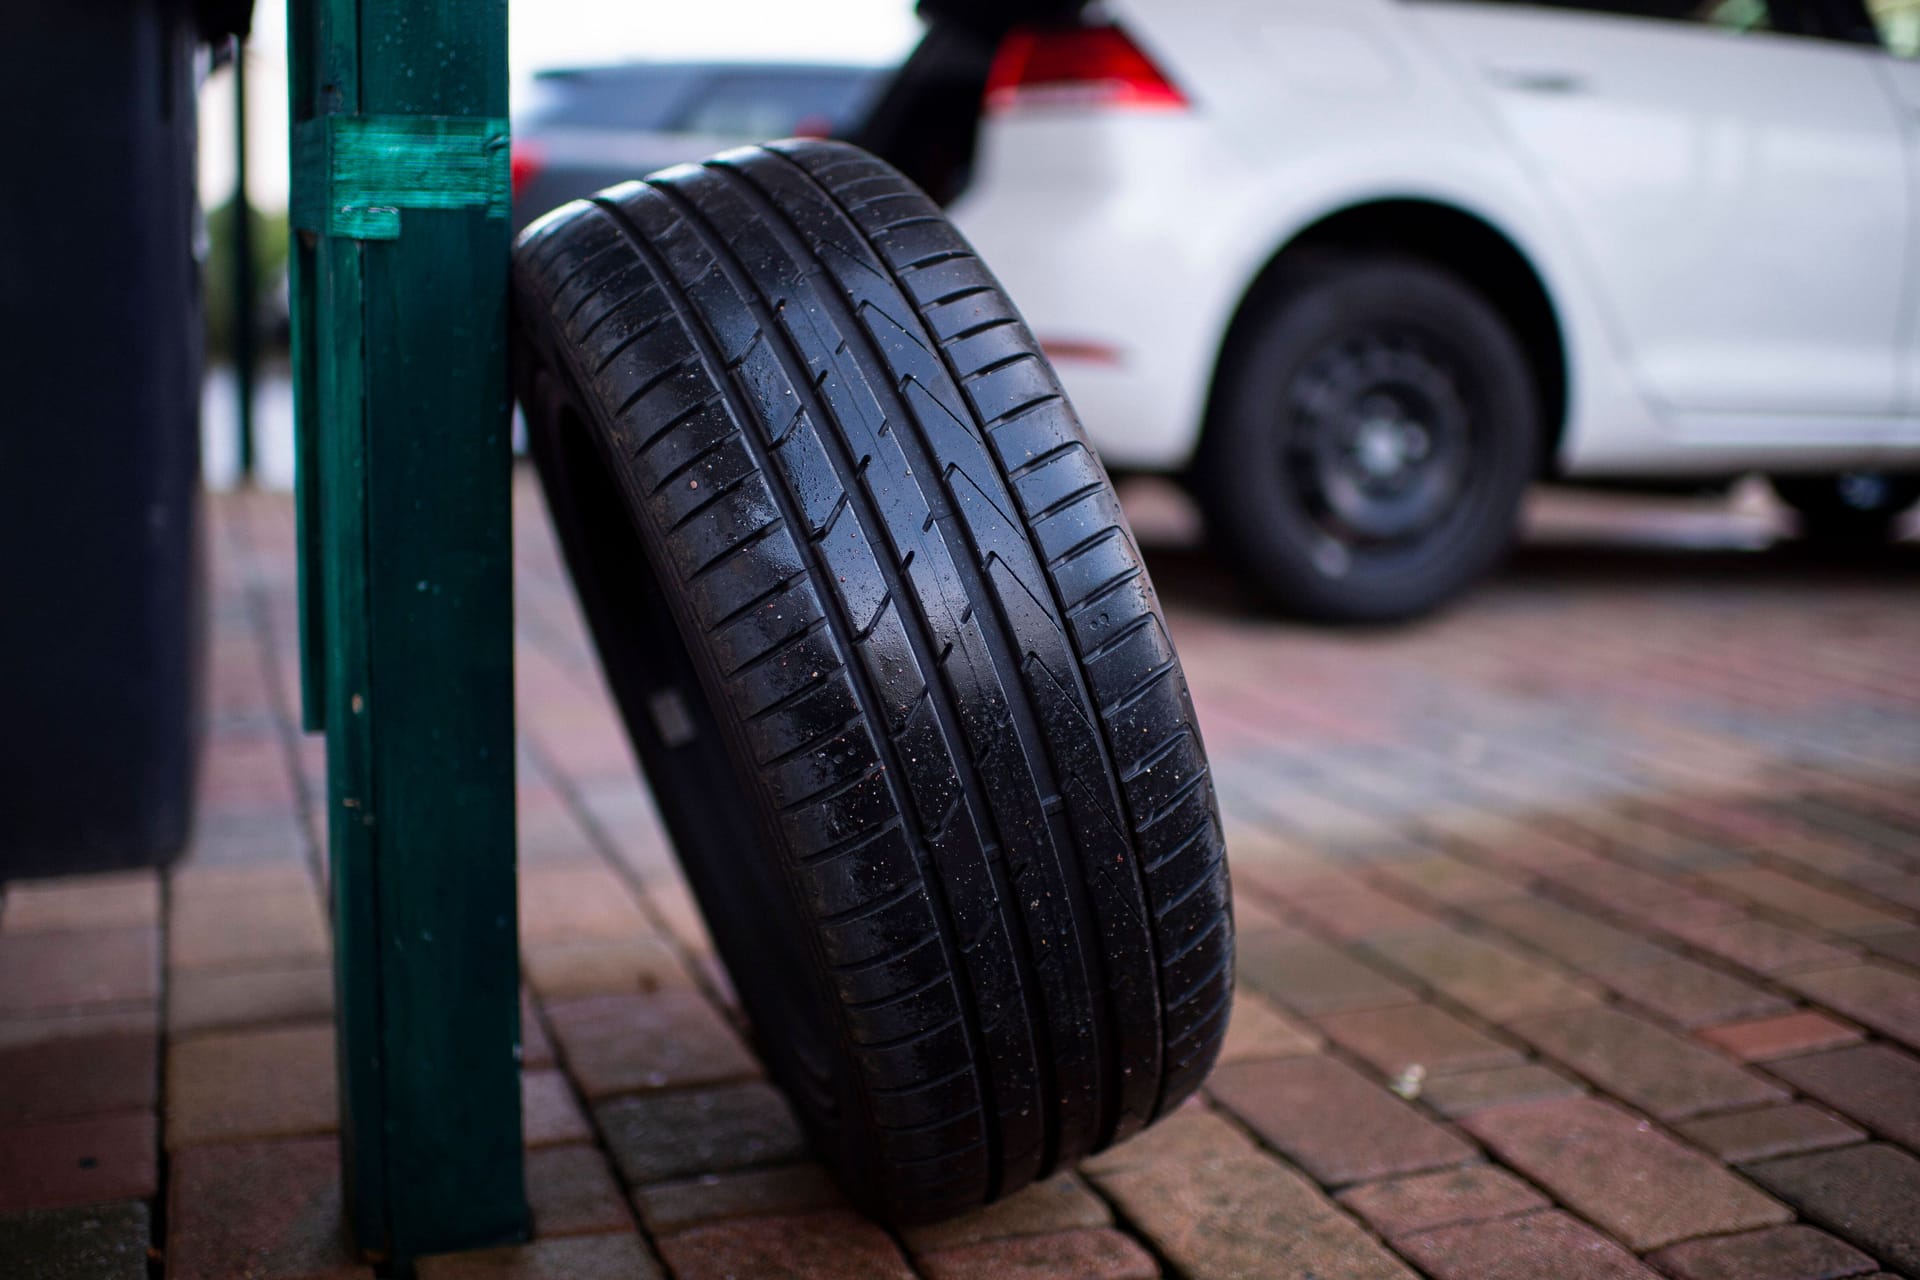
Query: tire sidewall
{"points": [[554, 384], [1252, 503]]}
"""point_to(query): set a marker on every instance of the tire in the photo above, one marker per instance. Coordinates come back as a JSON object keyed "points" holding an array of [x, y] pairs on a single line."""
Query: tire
{"points": [[1373, 428], [889, 656], [1857, 509]]}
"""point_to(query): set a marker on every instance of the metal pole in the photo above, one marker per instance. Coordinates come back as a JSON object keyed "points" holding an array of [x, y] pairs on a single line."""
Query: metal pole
{"points": [[244, 296], [400, 365]]}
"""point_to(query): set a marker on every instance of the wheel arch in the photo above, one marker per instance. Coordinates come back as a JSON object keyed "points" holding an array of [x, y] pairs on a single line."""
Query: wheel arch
{"points": [[1448, 236]]}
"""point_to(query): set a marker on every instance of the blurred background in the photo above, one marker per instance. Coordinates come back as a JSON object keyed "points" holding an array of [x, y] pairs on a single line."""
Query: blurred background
{"points": [[1355, 275], [1519, 406], [629, 107]]}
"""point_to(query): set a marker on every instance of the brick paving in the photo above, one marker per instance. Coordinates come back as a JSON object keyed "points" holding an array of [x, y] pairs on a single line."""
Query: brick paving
{"points": [[1580, 937]]}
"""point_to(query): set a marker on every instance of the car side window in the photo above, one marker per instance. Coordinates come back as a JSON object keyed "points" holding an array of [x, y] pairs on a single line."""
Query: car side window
{"points": [[1739, 15], [773, 104], [1898, 23]]}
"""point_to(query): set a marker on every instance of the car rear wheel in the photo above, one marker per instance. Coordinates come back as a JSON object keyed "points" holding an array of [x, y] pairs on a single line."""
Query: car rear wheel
{"points": [[1373, 429], [888, 653], [1859, 507]]}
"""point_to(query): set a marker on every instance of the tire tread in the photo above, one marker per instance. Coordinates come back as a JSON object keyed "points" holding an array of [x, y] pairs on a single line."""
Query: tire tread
{"points": [[856, 459]]}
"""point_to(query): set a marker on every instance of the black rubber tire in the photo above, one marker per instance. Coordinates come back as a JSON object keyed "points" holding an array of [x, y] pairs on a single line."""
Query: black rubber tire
{"points": [[1848, 510], [887, 650], [1311, 306]]}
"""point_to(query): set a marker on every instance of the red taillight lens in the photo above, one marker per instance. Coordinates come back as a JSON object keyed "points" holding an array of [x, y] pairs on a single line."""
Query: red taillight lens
{"points": [[1092, 66], [525, 162]]}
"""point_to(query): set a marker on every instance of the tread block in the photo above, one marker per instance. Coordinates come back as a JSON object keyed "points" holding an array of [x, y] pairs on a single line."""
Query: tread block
{"points": [[804, 664]]}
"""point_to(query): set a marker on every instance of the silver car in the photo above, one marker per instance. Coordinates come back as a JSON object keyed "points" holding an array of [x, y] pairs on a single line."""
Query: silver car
{"points": [[585, 129]]}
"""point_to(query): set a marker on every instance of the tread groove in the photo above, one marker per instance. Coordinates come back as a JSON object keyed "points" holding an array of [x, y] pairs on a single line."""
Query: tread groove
{"points": [[1058, 505], [813, 744], [587, 333], [792, 641], [856, 341], [867, 694], [700, 508], [738, 612], [1079, 890], [694, 461], [867, 910]]}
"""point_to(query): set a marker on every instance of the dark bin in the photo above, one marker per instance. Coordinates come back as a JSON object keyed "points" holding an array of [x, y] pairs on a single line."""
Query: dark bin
{"points": [[101, 591]]}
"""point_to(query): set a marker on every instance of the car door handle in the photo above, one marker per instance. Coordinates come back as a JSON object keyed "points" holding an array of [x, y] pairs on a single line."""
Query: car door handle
{"points": [[1536, 80]]}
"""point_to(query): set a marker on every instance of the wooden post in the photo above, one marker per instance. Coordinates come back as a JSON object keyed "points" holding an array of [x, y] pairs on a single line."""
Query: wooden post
{"points": [[400, 202]]}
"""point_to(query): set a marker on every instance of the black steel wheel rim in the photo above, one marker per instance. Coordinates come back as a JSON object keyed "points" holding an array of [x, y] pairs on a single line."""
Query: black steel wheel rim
{"points": [[1377, 443]]}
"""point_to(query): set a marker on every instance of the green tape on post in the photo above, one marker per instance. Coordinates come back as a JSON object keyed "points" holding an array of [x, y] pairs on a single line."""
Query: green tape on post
{"points": [[354, 174]]}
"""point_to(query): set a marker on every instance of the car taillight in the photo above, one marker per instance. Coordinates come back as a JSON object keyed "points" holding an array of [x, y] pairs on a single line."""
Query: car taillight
{"points": [[525, 162], [1090, 66]]}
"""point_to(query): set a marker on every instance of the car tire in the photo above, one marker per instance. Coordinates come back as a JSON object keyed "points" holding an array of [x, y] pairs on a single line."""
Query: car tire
{"points": [[1860, 508], [890, 658], [1372, 431]]}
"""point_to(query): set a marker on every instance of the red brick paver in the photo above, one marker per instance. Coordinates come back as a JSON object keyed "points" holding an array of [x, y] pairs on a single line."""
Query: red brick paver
{"points": [[571, 1191], [230, 1000], [1401, 1206], [109, 901], [1875, 1084], [1332, 1122], [1310, 977], [250, 1084], [1422, 1036], [1643, 1064], [1244, 1218], [1258, 1030], [71, 1076], [548, 1112], [1885, 997], [1495, 982], [45, 971], [1540, 1244], [97, 1160], [1864, 1195], [622, 1044], [1740, 1137], [1768, 948], [578, 1258], [666, 1207], [1693, 994], [1093, 1254], [1776, 1253], [661, 1137], [1470, 1091], [258, 1209], [242, 920], [831, 1245], [1779, 1037], [1061, 1203], [1616, 1169]]}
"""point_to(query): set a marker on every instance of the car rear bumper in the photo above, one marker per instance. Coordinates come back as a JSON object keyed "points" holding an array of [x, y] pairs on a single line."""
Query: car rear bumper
{"points": [[1107, 231]]}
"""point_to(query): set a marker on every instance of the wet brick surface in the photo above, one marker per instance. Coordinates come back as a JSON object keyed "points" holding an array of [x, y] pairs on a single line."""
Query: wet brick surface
{"points": [[1579, 937]]}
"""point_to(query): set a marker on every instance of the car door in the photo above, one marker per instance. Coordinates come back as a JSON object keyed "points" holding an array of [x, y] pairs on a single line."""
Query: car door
{"points": [[1898, 24], [1739, 195]]}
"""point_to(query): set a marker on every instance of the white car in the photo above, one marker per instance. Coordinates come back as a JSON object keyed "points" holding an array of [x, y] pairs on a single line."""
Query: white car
{"points": [[1362, 269]]}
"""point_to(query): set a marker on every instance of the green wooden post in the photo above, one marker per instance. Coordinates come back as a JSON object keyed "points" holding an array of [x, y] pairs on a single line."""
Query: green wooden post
{"points": [[400, 200]]}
